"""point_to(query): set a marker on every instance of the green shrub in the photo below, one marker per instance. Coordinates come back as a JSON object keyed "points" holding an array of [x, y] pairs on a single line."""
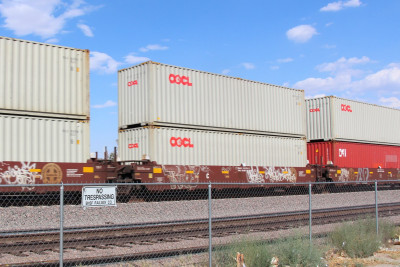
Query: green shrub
{"points": [[293, 251], [255, 254], [359, 239], [297, 251]]}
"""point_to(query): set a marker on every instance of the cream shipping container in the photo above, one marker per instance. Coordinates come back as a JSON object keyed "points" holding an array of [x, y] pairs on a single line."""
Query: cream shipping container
{"points": [[333, 118], [158, 94], [176, 146], [38, 139], [43, 79]]}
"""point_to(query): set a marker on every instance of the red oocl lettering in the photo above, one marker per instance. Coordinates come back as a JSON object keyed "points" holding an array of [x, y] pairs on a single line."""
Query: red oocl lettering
{"points": [[136, 145], [132, 83], [184, 80], [346, 108], [179, 142]]}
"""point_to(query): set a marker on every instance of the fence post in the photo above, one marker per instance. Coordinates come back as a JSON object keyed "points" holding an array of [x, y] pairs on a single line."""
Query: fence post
{"points": [[310, 210], [61, 224], [376, 207], [209, 226]]}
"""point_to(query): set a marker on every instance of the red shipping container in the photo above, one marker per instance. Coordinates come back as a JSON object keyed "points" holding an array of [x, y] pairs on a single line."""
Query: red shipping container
{"points": [[359, 155]]}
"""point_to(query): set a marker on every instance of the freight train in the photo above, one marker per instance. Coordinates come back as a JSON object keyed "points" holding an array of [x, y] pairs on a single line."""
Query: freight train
{"points": [[178, 125]]}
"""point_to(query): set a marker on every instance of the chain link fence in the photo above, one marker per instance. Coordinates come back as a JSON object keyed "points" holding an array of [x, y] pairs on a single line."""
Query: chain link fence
{"points": [[179, 224]]}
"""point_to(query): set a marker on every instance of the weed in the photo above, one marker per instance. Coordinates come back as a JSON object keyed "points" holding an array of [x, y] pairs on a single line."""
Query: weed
{"points": [[359, 238]]}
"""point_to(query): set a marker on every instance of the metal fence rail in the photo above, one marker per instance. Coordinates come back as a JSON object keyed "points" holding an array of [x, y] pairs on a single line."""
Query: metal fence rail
{"points": [[173, 223]]}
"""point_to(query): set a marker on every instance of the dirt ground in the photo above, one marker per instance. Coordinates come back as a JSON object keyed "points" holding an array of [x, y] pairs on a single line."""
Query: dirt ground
{"points": [[389, 256]]}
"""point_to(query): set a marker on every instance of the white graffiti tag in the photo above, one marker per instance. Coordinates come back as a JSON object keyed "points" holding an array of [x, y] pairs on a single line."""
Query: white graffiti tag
{"points": [[254, 176], [272, 175], [363, 174], [280, 175], [344, 175], [182, 174], [19, 174]]}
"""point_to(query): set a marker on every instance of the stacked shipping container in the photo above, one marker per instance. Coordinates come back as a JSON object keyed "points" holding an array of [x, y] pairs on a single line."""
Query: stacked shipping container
{"points": [[201, 118], [44, 102], [352, 134]]}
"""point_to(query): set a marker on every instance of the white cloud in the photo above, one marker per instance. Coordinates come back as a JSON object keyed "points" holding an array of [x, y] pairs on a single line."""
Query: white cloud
{"points": [[132, 59], [274, 67], [108, 104], [327, 46], [153, 47], [392, 102], [339, 5], [342, 64], [386, 78], [301, 33], [248, 66], [103, 63], [225, 71], [315, 96], [284, 60], [340, 82], [39, 17], [52, 41], [85, 29], [344, 78]]}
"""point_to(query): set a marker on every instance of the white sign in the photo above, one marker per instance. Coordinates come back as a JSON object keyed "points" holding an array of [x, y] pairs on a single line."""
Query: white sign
{"points": [[99, 196]]}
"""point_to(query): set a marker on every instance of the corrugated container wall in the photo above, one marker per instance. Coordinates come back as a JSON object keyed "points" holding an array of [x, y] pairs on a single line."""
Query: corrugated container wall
{"points": [[176, 146], [43, 139], [332, 118], [347, 154], [168, 95], [43, 78]]}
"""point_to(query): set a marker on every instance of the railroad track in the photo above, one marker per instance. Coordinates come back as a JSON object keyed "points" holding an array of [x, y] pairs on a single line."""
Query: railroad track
{"points": [[38, 241]]}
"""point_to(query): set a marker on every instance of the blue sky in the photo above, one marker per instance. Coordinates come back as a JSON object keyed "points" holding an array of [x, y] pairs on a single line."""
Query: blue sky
{"points": [[348, 48]]}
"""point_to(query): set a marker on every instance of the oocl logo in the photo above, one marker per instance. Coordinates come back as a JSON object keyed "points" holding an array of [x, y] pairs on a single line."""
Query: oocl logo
{"points": [[315, 110], [132, 83], [135, 145], [179, 142], [179, 79], [346, 108]]}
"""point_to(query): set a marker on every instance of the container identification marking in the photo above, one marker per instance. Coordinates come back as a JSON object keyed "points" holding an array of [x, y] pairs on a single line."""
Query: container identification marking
{"points": [[342, 153], [179, 142], [135, 145], [184, 80], [135, 82], [346, 108]]}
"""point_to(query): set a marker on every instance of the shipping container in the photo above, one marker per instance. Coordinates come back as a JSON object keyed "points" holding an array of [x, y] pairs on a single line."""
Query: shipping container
{"points": [[348, 154], [38, 78], [175, 146], [158, 94], [38, 139], [332, 118]]}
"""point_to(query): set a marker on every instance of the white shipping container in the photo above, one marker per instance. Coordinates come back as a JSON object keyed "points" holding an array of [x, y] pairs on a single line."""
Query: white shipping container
{"points": [[161, 94], [43, 78], [333, 118], [175, 146], [43, 139]]}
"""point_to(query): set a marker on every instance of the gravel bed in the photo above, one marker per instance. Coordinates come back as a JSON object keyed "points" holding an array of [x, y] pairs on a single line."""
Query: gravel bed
{"points": [[13, 218], [38, 217]]}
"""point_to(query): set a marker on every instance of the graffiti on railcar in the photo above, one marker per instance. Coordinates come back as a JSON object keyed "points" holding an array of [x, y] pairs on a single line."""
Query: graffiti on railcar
{"points": [[344, 175], [271, 175], [363, 174], [254, 176], [183, 174], [23, 174]]}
